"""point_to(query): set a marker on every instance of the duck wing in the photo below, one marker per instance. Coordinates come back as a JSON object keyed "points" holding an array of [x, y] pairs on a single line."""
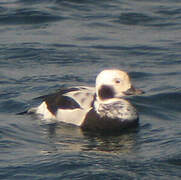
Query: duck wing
{"points": [[69, 98]]}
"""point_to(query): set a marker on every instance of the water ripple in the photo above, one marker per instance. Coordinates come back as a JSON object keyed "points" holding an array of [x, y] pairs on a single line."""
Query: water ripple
{"points": [[28, 16], [135, 18], [141, 19]]}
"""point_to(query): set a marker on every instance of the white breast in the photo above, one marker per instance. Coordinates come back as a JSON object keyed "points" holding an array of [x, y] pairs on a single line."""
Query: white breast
{"points": [[116, 108]]}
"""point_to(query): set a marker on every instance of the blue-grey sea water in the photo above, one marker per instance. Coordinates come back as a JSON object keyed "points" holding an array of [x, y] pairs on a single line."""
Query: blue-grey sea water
{"points": [[47, 44]]}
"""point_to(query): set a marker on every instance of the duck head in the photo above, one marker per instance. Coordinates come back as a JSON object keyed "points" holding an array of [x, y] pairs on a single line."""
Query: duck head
{"points": [[114, 83]]}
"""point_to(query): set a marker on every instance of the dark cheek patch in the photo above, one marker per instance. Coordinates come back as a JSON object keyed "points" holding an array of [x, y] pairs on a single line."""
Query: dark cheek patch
{"points": [[106, 92]]}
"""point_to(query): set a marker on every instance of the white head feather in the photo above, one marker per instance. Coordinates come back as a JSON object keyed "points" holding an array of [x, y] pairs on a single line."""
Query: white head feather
{"points": [[112, 83]]}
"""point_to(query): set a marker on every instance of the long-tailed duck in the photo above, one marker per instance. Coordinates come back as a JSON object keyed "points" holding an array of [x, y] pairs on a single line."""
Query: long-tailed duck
{"points": [[99, 108]]}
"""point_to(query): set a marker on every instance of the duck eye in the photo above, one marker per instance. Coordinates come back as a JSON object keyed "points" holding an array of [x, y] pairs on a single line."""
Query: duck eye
{"points": [[117, 81]]}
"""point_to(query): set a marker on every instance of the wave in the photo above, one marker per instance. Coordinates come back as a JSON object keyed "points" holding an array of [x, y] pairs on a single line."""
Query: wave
{"points": [[162, 105], [28, 16]]}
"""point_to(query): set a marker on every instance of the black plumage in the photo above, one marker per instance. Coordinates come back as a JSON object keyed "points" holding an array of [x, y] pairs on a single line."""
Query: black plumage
{"points": [[60, 100]]}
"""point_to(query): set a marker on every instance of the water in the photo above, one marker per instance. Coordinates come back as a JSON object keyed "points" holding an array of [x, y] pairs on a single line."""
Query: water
{"points": [[46, 44]]}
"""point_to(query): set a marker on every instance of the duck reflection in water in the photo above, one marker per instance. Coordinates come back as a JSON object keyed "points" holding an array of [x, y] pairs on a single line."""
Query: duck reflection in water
{"points": [[68, 138]]}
